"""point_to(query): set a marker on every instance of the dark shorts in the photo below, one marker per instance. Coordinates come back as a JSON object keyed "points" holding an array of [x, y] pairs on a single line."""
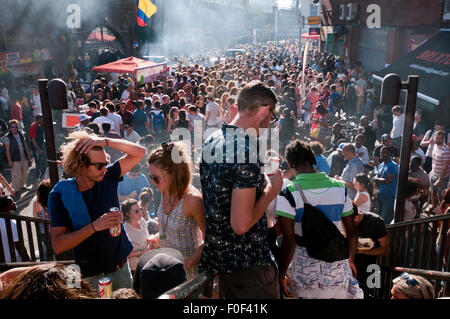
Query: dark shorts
{"points": [[257, 282]]}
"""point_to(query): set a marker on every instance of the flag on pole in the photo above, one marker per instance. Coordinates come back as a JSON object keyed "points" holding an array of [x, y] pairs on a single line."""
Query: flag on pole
{"points": [[145, 9]]}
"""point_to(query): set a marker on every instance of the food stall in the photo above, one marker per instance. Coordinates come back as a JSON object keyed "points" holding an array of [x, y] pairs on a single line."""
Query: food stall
{"points": [[142, 71]]}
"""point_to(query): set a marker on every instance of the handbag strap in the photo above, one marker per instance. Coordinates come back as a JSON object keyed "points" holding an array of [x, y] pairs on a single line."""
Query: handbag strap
{"points": [[301, 193]]}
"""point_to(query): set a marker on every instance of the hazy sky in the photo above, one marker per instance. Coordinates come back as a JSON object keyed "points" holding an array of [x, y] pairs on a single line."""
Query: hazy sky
{"points": [[280, 3], [285, 3]]}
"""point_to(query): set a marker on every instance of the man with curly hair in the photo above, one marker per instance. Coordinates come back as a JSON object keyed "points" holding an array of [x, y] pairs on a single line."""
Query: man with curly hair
{"points": [[79, 207]]}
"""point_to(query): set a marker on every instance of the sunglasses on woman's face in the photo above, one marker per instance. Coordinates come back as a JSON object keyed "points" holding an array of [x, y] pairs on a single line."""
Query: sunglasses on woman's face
{"points": [[156, 179]]}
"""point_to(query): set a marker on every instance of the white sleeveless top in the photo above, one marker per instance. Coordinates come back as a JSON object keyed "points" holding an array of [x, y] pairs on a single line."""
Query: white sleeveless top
{"points": [[365, 207]]}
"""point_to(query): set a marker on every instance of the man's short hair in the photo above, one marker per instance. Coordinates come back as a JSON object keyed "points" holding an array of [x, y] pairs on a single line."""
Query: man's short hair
{"points": [[106, 127], [298, 152], [416, 159], [92, 104], [349, 147], [386, 148], [254, 95], [13, 121], [193, 108], [110, 106], [104, 111]]}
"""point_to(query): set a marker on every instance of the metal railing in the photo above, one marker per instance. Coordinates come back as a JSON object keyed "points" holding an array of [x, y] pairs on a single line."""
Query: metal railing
{"points": [[412, 245], [417, 247], [35, 244], [202, 283], [412, 250]]}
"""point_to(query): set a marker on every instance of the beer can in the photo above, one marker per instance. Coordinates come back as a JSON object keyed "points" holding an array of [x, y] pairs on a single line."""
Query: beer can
{"points": [[116, 230], [105, 288]]}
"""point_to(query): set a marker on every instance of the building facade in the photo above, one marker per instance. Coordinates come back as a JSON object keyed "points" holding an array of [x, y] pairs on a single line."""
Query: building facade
{"points": [[378, 32]]}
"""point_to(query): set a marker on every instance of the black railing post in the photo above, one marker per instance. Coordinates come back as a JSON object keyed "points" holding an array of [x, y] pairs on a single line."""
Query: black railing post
{"points": [[410, 110]]}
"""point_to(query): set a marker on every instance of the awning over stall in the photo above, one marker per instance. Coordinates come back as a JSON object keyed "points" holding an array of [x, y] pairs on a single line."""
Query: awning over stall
{"points": [[431, 62]]}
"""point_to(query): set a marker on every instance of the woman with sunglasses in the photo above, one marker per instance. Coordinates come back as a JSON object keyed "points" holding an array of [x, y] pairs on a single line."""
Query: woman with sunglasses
{"points": [[180, 215]]}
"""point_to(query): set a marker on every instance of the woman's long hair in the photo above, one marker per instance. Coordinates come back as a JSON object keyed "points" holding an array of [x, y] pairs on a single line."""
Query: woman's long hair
{"points": [[364, 180]]}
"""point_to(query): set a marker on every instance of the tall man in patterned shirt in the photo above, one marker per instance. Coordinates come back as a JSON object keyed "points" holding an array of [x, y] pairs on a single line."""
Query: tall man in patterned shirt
{"points": [[236, 195]]}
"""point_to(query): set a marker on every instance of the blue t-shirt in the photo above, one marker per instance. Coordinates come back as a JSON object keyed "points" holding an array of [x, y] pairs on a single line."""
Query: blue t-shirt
{"points": [[334, 97], [322, 164], [384, 169], [99, 252], [140, 118], [128, 185]]}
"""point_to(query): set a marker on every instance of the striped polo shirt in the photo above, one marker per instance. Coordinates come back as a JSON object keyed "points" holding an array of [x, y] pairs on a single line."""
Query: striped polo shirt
{"points": [[325, 193]]}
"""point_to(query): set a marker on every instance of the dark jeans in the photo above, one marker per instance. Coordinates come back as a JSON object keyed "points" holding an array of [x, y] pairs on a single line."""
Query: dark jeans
{"points": [[385, 206], [41, 163], [256, 282]]}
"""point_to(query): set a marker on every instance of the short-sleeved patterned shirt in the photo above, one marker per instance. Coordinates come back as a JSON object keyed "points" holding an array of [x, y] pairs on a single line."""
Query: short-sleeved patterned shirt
{"points": [[230, 161]]}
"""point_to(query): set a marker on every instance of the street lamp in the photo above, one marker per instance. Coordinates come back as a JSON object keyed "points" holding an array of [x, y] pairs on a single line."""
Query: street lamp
{"points": [[53, 96]]}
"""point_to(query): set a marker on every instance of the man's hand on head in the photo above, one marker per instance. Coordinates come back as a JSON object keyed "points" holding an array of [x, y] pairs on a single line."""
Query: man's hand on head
{"points": [[84, 145]]}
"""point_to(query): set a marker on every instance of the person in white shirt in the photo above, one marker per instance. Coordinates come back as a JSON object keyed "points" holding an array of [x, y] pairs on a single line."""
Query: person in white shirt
{"points": [[103, 118], [35, 101], [363, 197], [129, 133], [361, 150], [116, 118], [212, 113], [398, 119], [416, 150], [126, 93]]}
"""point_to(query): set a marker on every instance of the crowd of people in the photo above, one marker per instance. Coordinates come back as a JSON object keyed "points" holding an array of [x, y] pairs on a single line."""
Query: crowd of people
{"points": [[339, 150]]}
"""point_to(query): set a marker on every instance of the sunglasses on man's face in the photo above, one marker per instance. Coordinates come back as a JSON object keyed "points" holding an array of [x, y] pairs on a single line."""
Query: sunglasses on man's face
{"points": [[274, 117], [99, 166], [14, 127]]}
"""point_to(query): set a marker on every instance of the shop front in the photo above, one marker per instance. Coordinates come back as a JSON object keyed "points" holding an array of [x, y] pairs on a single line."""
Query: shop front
{"points": [[431, 62]]}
